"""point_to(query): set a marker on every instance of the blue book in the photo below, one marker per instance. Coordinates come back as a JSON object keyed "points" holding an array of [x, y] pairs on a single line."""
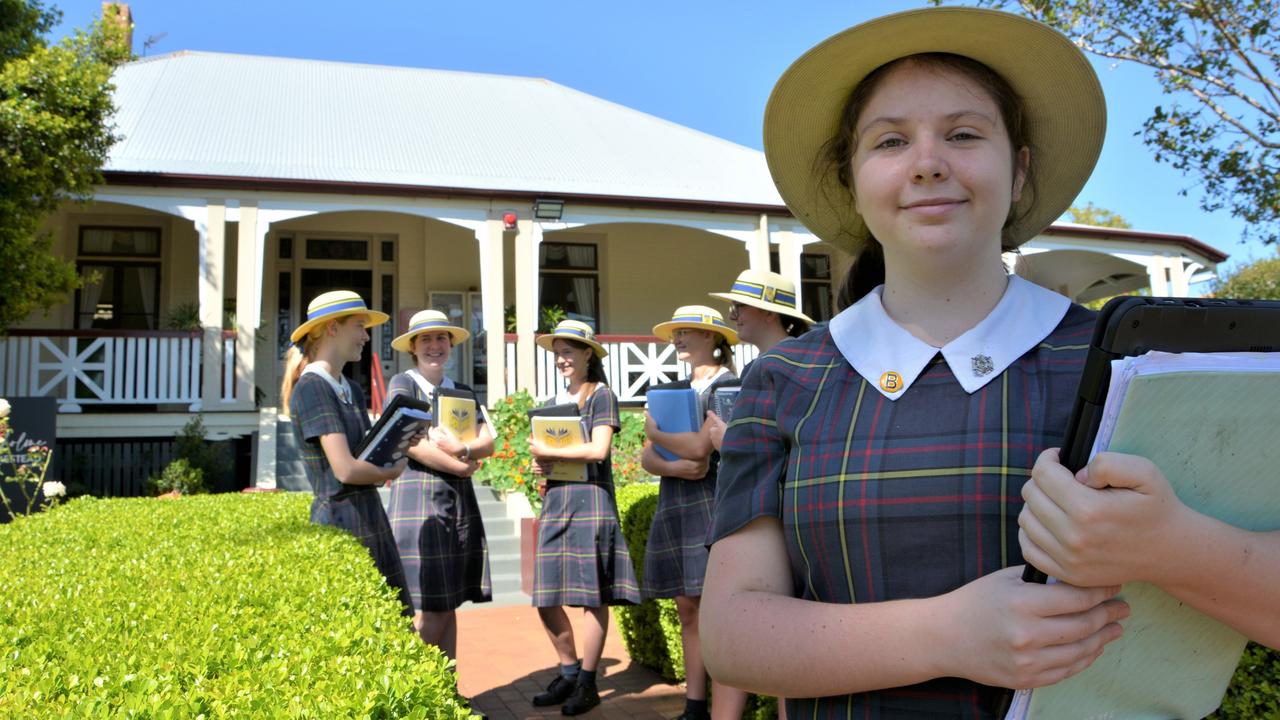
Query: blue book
{"points": [[387, 442], [674, 411]]}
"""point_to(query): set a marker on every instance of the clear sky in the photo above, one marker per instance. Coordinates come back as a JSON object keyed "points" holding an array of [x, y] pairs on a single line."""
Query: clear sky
{"points": [[706, 64]]}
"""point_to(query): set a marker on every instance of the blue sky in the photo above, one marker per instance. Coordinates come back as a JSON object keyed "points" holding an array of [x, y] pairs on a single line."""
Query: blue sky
{"points": [[706, 64]]}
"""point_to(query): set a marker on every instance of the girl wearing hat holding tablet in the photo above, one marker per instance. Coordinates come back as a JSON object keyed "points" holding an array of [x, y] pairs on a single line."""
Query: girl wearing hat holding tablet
{"points": [[675, 559], [329, 419], [433, 509], [582, 559], [867, 515]]}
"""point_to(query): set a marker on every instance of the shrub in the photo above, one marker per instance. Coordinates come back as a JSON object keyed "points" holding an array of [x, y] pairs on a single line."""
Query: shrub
{"points": [[1255, 687], [192, 445], [217, 606], [180, 477]]}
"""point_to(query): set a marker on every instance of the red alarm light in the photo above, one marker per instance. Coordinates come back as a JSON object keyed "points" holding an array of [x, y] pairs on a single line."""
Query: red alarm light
{"points": [[509, 220]]}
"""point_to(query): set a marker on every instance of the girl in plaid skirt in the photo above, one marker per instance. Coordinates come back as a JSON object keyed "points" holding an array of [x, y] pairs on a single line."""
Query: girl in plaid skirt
{"points": [[582, 557], [433, 510], [329, 419], [676, 554]]}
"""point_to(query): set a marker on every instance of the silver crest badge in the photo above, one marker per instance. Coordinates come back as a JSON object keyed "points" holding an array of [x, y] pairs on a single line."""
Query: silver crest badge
{"points": [[982, 365]]}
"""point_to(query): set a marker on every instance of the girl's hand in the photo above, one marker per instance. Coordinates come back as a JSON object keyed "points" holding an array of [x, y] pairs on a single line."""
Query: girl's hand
{"points": [[542, 488], [689, 469], [1113, 522], [538, 449], [715, 430], [391, 473], [1013, 634], [650, 425], [445, 440]]}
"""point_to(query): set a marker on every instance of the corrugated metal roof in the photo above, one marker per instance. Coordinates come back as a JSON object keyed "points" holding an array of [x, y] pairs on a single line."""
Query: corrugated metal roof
{"points": [[218, 114]]}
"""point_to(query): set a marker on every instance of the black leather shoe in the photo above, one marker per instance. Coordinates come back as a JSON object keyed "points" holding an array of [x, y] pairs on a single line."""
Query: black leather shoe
{"points": [[687, 715], [583, 699], [557, 692]]}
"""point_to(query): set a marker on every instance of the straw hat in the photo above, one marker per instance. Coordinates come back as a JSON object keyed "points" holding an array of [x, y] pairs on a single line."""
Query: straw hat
{"points": [[428, 320], [572, 330], [697, 317], [335, 305], [1065, 110], [765, 290]]}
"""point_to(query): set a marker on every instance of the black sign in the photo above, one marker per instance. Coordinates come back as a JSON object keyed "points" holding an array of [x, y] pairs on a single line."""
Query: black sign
{"points": [[33, 421]]}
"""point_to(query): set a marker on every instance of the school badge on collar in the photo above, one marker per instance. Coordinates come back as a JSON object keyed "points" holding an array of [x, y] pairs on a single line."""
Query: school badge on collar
{"points": [[982, 365]]}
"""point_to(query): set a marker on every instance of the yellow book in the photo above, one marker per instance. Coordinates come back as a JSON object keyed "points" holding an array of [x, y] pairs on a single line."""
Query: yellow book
{"points": [[458, 416], [561, 432]]}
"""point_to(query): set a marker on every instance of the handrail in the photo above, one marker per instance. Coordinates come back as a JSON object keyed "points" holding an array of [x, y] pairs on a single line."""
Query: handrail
{"points": [[378, 387]]}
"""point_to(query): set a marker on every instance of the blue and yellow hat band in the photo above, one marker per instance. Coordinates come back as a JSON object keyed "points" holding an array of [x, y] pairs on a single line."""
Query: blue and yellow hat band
{"points": [[428, 325], [335, 307], [704, 319], [766, 293]]}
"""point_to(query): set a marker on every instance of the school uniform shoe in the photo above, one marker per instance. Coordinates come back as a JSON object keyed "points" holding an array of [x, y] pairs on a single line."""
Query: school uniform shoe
{"points": [[690, 715], [584, 698], [557, 692]]}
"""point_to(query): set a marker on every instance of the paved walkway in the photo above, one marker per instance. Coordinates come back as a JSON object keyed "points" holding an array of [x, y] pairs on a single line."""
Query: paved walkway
{"points": [[505, 658]]}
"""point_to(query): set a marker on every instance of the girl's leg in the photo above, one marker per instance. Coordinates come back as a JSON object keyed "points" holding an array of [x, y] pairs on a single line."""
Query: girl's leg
{"points": [[727, 702], [594, 632], [440, 629], [556, 622], [695, 672]]}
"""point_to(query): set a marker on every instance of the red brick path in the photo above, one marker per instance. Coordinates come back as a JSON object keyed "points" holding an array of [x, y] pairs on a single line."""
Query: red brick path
{"points": [[505, 658]]}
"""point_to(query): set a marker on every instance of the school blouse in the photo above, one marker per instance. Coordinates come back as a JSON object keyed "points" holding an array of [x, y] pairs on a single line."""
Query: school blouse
{"points": [[895, 467]]}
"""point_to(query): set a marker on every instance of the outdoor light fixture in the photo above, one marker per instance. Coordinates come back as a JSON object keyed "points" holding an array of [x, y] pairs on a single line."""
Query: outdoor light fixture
{"points": [[509, 220], [544, 209]]}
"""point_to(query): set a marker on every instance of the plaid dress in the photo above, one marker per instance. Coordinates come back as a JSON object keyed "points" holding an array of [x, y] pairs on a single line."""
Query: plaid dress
{"points": [[675, 559], [437, 526], [883, 500], [316, 411], [582, 557]]}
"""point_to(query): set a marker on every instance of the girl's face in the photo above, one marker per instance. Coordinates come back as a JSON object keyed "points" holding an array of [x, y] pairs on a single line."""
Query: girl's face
{"points": [[933, 169], [349, 337], [571, 361], [432, 349], [693, 345], [752, 323]]}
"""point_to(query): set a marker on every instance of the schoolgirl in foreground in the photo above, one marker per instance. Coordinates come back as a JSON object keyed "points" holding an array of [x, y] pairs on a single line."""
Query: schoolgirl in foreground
{"points": [[329, 419], [582, 559], [868, 504], [675, 560], [433, 510]]}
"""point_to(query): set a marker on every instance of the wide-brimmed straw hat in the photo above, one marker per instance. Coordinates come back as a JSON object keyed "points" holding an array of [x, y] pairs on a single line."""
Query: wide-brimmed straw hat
{"points": [[1065, 109], [572, 330], [335, 305], [697, 317], [428, 321], [765, 290]]}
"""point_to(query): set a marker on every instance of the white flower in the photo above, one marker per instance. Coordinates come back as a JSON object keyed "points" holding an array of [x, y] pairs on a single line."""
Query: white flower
{"points": [[53, 489], [4, 408]]}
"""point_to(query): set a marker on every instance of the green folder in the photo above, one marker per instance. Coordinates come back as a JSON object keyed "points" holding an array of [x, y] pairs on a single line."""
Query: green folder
{"points": [[1214, 436]]}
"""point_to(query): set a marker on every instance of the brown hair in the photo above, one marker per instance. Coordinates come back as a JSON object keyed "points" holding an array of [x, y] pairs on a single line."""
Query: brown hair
{"points": [[295, 361], [836, 156], [595, 371], [725, 357]]}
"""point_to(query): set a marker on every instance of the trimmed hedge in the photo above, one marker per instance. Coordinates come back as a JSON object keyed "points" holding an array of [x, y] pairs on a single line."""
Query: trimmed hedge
{"points": [[651, 630], [207, 606], [1255, 687]]}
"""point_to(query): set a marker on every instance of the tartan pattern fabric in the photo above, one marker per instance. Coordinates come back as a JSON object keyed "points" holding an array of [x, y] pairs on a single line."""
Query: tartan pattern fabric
{"points": [[582, 558], [675, 559], [438, 530], [315, 411], [883, 500]]}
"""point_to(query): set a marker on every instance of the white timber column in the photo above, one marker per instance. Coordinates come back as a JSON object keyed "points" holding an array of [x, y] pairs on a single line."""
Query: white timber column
{"points": [[213, 251], [1179, 277], [492, 280], [248, 303], [789, 250], [528, 238], [758, 246], [1158, 273]]}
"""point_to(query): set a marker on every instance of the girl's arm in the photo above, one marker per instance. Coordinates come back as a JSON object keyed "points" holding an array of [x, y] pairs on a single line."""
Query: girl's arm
{"points": [[1119, 521], [655, 464], [351, 471], [428, 452], [594, 450], [1024, 635], [715, 430], [690, 445]]}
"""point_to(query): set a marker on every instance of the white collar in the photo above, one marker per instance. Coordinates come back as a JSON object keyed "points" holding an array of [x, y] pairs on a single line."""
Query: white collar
{"points": [[890, 358], [341, 387], [700, 385], [427, 387]]}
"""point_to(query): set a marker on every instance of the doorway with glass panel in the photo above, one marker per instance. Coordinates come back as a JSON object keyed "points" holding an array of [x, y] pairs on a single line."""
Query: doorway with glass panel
{"points": [[469, 362]]}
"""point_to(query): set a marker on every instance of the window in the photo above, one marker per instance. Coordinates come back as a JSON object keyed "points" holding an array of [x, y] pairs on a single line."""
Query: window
{"points": [[325, 249], [815, 287], [570, 281], [124, 292]]}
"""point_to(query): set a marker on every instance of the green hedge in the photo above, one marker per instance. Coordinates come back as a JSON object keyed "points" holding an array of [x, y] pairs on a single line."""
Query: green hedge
{"points": [[1255, 688], [206, 606], [651, 630]]}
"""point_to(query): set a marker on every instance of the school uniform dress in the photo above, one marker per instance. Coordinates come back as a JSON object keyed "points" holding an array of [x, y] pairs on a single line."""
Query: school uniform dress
{"points": [[582, 557], [436, 522], [896, 468], [320, 406], [675, 559]]}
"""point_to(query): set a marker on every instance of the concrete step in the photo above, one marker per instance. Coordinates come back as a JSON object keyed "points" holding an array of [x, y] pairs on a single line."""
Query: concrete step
{"points": [[505, 582], [505, 565], [504, 599], [502, 544], [506, 527]]}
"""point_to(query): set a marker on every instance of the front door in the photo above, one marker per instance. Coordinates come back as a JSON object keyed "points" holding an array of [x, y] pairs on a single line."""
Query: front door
{"points": [[321, 280]]}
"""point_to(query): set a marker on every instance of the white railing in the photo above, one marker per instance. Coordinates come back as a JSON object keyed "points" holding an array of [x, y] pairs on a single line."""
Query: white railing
{"points": [[633, 364], [81, 368], [228, 366]]}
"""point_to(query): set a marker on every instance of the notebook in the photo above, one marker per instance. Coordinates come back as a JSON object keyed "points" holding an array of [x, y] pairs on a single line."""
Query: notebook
{"points": [[723, 397], [1209, 421], [387, 442], [674, 411], [561, 432], [457, 411]]}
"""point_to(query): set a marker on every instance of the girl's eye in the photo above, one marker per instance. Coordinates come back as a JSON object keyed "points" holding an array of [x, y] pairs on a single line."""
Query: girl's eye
{"points": [[964, 135], [890, 143]]}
